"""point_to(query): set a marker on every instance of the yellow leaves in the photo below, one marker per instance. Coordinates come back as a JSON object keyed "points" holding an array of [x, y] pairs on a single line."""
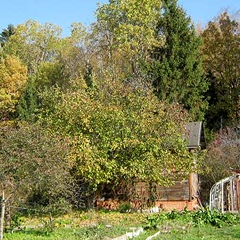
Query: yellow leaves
{"points": [[126, 29], [34, 43], [13, 73], [79, 33], [119, 132], [13, 79]]}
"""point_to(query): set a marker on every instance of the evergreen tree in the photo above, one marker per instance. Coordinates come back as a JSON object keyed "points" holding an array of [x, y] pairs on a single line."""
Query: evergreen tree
{"points": [[6, 34], [29, 102], [177, 64]]}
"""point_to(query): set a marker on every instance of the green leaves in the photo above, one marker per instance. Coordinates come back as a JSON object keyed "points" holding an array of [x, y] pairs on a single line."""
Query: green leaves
{"points": [[221, 52], [126, 31], [198, 218], [6, 34], [176, 66], [34, 43], [119, 133], [214, 218], [91, 91]]}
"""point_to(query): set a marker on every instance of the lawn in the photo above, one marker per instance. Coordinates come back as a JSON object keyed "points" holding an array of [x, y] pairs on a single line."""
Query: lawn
{"points": [[93, 225]]}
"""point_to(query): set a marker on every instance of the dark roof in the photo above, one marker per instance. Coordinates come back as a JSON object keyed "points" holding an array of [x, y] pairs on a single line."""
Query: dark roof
{"points": [[195, 135]]}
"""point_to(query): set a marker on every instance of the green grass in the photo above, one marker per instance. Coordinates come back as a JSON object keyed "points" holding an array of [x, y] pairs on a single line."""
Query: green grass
{"points": [[203, 224], [63, 233], [106, 225], [90, 225], [206, 232]]}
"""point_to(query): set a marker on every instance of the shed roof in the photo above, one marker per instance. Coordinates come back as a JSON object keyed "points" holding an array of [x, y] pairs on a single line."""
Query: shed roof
{"points": [[195, 135]]}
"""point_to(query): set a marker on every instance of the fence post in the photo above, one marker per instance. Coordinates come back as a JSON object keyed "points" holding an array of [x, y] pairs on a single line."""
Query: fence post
{"points": [[2, 216]]}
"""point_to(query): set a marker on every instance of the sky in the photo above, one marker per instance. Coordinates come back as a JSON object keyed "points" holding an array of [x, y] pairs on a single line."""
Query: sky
{"points": [[64, 12]]}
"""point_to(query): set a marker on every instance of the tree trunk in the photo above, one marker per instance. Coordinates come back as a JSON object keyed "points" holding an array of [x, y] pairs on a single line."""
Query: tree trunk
{"points": [[2, 216]]}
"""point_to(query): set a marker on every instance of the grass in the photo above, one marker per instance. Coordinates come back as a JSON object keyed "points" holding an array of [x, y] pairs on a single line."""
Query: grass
{"points": [[87, 225], [206, 232], [94, 225]]}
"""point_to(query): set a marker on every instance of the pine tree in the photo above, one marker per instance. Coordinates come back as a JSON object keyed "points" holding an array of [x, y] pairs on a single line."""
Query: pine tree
{"points": [[177, 65]]}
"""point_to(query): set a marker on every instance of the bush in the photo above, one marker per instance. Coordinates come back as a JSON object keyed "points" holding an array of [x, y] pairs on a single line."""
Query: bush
{"points": [[214, 218], [125, 207]]}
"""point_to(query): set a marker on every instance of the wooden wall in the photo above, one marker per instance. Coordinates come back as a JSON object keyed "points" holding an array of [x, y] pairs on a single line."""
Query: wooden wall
{"points": [[179, 191]]}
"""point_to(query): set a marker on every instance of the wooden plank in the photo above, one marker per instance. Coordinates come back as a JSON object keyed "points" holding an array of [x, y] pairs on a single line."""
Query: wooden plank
{"points": [[179, 191]]}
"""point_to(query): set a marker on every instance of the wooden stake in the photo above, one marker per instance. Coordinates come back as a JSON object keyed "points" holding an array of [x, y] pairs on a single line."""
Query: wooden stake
{"points": [[2, 216]]}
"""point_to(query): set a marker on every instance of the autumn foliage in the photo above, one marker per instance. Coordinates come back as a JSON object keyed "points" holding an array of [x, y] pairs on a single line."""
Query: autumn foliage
{"points": [[108, 104]]}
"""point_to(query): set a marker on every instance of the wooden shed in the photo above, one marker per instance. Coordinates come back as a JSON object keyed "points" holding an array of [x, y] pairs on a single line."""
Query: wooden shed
{"points": [[184, 193], [179, 196]]}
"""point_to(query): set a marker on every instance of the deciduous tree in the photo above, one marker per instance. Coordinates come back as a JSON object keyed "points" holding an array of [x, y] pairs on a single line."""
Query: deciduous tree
{"points": [[34, 43], [13, 80], [33, 163], [125, 31], [120, 133], [222, 159], [221, 53]]}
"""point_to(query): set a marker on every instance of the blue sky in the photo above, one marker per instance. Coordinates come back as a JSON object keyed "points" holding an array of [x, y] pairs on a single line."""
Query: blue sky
{"points": [[63, 13]]}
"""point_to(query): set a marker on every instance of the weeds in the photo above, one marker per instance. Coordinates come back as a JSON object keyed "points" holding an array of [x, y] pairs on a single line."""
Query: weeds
{"points": [[200, 217], [102, 225], [214, 218], [125, 207], [48, 225], [15, 223]]}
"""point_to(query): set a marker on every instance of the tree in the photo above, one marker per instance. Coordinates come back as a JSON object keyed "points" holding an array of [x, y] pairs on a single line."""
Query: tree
{"points": [[176, 66], [49, 74], [29, 103], [13, 80], [34, 44], [33, 167], [6, 34], [125, 33], [119, 133], [222, 159], [43, 52], [221, 51], [76, 52]]}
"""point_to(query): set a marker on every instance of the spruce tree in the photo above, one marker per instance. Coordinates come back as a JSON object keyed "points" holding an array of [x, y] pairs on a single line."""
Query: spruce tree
{"points": [[177, 65], [6, 34], [29, 103]]}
